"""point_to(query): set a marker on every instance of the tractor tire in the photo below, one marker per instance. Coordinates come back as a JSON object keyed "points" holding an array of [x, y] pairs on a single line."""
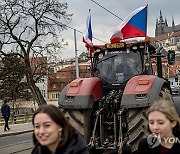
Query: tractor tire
{"points": [[138, 122], [83, 120], [80, 119], [137, 126], [76, 118]]}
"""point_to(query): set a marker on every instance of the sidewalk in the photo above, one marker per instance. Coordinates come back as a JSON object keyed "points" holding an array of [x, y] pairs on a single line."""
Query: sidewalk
{"points": [[16, 129]]}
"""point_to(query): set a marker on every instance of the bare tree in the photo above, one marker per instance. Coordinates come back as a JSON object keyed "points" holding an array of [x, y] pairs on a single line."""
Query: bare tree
{"points": [[31, 28]]}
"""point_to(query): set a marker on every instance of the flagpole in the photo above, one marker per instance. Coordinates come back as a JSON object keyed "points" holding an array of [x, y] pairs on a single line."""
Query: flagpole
{"points": [[146, 29], [146, 50], [76, 56], [146, 19], [87, 37], [148, 60]]}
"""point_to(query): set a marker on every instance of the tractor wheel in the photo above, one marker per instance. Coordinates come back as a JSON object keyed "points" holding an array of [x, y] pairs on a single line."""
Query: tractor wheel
{"points": [[138, 123], [137, 126], [81, 120], [76, 118]]}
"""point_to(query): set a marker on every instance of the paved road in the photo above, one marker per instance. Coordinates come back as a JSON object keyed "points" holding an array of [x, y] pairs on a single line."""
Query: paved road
{"points": [[19, 144], [18, 140]]}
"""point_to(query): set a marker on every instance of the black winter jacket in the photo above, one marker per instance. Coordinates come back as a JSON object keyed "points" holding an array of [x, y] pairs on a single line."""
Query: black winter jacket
{"points": [[74, 145], [145, 149], [5, 110]]}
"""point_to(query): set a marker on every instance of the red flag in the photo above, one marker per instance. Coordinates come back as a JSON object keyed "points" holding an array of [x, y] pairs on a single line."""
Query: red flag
{"points": [[135, 25], [87, 35]]}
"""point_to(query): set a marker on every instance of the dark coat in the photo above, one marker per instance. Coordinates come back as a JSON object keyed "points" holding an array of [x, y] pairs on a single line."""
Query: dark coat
{"points": [[5, 110], [145, 149], [74, 145]]}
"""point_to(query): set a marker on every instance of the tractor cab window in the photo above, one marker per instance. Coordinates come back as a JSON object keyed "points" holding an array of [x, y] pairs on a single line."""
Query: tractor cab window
{"points": [[119, 66]]}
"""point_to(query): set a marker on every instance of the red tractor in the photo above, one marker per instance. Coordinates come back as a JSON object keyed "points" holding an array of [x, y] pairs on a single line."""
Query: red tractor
{"points": [[109, 109]]}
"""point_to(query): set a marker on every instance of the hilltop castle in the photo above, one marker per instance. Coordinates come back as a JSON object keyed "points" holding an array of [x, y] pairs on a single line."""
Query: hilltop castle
{"points": [[163, 28]]}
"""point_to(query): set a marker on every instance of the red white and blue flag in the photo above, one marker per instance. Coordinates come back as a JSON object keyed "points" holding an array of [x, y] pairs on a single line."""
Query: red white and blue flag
{"points": [[87, 35], [134, 25]]}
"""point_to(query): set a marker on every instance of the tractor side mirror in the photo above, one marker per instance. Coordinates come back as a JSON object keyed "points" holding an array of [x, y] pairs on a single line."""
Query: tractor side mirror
{"points": [[171, 57]]}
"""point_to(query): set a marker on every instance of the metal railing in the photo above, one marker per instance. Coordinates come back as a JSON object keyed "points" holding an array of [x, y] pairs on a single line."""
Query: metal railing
{"points": [[18, 118]]}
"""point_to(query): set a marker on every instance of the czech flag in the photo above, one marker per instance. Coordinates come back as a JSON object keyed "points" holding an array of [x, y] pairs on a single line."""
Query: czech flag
{"points": [[87, 36], [134, 25]]}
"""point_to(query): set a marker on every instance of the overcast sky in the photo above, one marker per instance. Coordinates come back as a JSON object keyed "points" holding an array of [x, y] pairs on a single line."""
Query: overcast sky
{"points": [[104, 24]]}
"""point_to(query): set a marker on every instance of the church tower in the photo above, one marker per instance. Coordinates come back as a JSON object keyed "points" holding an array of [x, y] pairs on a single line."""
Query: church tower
{"points": [[160, 24], [173, 23]]}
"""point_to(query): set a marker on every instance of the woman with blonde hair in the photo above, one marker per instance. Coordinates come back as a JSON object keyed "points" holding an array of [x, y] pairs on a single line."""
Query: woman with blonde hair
{"points": [[164, 125]]}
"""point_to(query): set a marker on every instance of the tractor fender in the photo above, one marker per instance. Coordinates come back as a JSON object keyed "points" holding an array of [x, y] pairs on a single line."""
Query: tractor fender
{"points": [[81, 93], [142, 90]]}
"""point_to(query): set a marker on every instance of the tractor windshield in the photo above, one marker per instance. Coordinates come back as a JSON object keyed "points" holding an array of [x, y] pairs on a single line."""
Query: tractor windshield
{"points": [[119, 66]]}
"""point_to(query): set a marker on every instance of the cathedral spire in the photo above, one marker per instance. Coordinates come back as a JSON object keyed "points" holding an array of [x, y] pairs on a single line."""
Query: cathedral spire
{"points": [[166, 22], [161, 18], [173, 23]]}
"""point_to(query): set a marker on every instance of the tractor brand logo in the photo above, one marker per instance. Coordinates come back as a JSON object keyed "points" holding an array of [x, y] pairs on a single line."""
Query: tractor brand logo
{"points": [[153, 140]]}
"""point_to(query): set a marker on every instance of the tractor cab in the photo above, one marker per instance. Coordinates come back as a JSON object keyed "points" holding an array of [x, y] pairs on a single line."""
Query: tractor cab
{"points": [[117, 63]]}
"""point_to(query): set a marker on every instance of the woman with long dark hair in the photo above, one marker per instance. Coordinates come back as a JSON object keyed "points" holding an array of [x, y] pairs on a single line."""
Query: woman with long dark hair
{"points": [[53, 134]]}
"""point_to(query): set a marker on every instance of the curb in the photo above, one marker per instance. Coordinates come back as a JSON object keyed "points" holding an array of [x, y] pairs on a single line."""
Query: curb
{"points": [[15, 133]]}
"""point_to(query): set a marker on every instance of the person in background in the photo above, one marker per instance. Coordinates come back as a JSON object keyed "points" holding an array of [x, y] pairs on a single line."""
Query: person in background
{"points": [[53, 134], [164, 124], [5, 110]]}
